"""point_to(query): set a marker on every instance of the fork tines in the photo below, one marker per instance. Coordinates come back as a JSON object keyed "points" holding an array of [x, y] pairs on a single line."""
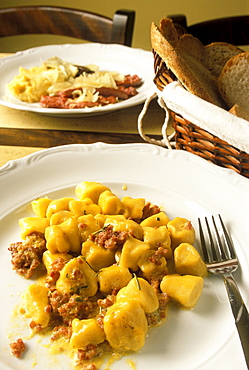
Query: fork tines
{"points": [[221, 259], [219, 246]]}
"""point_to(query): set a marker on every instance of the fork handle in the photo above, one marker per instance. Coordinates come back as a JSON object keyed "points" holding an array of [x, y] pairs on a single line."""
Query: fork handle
{"points": [[240, 313]]}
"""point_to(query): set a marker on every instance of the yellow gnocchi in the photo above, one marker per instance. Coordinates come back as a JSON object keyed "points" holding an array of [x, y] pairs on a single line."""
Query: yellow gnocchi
{"points": [[77, 277], [181, 231], [90, 189], [40, 205], [85, 332], [30, 225], [36, 301], [113, 278], [184, 289], [111, 267], [125, 326], [188, 261]]}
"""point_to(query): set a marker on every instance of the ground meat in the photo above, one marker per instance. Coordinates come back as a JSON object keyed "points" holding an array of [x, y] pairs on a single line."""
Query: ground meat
{"points": [[77, 308], [155, 283], [77, 275], [153, 319], [149, 210], [57, 300], [35, 327], [56, 267], [17, 347], [26, 256], [90, 352], [54, 273], [107, 302], [104, 304], [156, 318], [89, 367], [156, 257], [163, 299], [69, 307], [109, 239], [100, 320], [155, 280], [61, 332], [87, 353]]}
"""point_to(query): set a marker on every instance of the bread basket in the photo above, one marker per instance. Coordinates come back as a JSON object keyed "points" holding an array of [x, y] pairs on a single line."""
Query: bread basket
{"points": [[196, 140]]}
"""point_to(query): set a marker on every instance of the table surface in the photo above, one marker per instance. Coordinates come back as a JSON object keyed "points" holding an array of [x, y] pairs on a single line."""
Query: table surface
{"points": [[22, 133]]}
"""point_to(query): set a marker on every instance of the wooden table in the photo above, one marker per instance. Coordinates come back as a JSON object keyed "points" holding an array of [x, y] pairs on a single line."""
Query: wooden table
{"points": [[23, 132]]}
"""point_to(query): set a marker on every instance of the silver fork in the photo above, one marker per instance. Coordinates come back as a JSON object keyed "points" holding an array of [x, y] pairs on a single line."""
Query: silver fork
{"points": [[220, 258]]}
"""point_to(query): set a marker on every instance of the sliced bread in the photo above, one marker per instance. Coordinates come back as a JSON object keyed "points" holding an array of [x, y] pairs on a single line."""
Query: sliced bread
{"points": [[234, 81], [217, 54], [183, 55]]}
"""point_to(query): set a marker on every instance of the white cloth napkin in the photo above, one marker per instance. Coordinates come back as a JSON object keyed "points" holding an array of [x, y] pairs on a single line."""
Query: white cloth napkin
{"points": [[211, 118]]}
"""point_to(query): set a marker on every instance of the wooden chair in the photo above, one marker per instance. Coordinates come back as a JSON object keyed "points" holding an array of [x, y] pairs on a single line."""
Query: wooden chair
{"points": [[234, 30], [69, 22]]}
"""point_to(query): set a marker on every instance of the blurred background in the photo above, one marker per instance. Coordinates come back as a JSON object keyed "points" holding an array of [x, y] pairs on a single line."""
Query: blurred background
{"points": [[146, 12]]}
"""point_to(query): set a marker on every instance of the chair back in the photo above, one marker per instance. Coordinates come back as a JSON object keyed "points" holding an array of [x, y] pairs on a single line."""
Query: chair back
{"points": [[69, 22], [234, 30]]}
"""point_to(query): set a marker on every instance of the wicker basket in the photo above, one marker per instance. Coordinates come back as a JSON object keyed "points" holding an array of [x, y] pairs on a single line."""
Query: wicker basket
{"points": [[194, 139]]}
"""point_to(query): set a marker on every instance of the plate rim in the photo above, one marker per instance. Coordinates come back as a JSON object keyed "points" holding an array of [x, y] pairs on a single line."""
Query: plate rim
{"points": [[12, 167], [229, 176]]}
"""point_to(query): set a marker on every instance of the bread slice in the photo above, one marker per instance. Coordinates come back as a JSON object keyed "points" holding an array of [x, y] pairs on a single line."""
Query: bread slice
{"points": [[217, 54], [234, 80], [183, 55], [240, 112], [169, 31]]}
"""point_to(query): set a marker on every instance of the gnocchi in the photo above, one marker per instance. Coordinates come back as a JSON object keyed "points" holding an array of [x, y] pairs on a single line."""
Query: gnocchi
{"points": [[112, 266]]}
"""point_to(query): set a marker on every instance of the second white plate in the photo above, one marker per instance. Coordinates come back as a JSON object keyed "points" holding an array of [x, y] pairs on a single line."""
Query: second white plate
{"points": [[109, 57]]}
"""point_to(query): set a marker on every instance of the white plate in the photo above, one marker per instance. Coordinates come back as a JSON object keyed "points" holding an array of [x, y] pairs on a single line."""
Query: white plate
{"points": [[185, 185], [110, 57]]}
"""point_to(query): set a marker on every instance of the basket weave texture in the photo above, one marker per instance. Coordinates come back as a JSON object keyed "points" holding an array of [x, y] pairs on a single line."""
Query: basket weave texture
{"points": [[194, 139]]}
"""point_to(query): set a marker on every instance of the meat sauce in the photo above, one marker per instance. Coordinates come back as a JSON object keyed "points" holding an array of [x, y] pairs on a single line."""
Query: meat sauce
{"points": [[66, 99], [63, 308], [27, 256], [17, 348]]}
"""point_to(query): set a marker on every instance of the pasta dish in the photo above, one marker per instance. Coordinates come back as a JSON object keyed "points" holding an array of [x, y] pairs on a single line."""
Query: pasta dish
{"points": [[60, 84], [110, 269]]}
